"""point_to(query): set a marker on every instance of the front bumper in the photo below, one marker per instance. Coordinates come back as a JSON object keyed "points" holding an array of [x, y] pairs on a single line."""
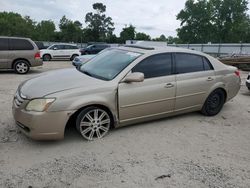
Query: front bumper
{"points": [[40, 125]]}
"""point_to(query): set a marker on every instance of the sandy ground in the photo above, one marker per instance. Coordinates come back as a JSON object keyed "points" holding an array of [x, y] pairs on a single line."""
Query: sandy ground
{"points": [[184, 151]]}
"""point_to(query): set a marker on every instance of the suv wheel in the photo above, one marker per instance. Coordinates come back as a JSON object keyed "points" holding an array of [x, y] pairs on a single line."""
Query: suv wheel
{"points": [[46, 57], [93, 123], [21, 67], [214, 103]]}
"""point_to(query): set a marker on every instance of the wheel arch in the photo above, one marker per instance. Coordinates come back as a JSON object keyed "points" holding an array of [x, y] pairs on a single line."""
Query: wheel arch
{"points": [[47, 54], [219, 85], [72, 118], [15, 60], [71, 58]]}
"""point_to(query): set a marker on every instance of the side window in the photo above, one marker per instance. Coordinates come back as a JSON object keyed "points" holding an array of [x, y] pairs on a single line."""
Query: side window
{"points": [[207, 64], [61, 47], [71, 47], [155, 66], [20, 44], [52, 47], [65, 47], [187, 63], [4, 44]]}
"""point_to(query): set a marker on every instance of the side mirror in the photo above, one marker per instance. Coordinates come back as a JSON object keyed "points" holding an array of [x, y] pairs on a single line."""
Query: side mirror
{"points": [[55, 48], [134, 77]]}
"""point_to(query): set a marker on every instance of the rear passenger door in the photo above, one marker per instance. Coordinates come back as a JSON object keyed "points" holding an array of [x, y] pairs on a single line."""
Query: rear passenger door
{"points": [[4, 53], [195, 77], [67, 51]]}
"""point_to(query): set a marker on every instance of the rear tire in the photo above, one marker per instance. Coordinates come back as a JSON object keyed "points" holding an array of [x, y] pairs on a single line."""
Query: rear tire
{"points": [[214, 103], [46, 57], [21, 67]]}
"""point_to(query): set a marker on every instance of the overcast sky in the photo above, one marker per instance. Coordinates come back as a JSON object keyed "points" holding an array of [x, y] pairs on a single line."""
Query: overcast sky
{"points": [[154, 17]]}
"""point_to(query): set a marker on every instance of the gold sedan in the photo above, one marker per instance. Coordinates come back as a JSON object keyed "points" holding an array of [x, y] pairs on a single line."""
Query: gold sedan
{"points": [[122, 86]]}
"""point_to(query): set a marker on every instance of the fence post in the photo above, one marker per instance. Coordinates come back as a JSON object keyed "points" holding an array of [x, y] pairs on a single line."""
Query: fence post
{"points": [[241, 47], [218, 54]]}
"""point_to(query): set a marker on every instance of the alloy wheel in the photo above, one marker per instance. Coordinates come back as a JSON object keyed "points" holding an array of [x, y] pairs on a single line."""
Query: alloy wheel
{"points": [[95, 124]]}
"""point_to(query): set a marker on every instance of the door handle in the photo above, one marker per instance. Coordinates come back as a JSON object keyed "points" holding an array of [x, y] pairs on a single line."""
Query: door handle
{"points": [[169, 85], [210, 79]]}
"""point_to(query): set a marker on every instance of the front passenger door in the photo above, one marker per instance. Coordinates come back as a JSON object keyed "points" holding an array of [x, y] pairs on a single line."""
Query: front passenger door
{"points": [[155, 96]]}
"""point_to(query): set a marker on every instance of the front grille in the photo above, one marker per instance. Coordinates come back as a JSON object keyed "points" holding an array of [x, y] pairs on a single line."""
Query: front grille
{"points": [[18, 99]]}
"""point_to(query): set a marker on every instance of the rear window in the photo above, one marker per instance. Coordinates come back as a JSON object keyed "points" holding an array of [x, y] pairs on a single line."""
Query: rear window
{"points": [[20, 44], [4, 44]]}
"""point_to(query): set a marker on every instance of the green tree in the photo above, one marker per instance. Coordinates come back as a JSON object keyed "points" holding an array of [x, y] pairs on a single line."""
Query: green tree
{"points": [[142, 36], [230, 18], [99, 26], [127, 33], [45, 30], [70, 31], [196, 22], [161, 38], [205, 21], [13, 24]]}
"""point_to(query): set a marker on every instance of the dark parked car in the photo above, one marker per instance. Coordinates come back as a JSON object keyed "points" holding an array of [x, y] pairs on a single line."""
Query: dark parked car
{"points": [[40, 45], [79, 60], [94, 49]]}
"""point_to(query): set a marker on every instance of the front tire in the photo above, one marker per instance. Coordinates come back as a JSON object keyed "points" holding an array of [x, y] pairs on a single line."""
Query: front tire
{"points": [[93, 123], [21, 67], [214, 103]]}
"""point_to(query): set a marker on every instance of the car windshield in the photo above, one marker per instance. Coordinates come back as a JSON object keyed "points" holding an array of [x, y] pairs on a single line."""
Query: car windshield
{"points": [[108, 64]]}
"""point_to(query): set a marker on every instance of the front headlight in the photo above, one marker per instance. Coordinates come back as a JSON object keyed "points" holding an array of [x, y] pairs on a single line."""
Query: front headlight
{"points": [[39, 105]]}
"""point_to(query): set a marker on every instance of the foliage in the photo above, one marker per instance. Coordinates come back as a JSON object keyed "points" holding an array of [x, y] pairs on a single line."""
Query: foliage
{"points": [[205, 21], [99, 25], [70, 31], [13, 24], [202, 21], [142, 36], [127, 33], [45, 30]]}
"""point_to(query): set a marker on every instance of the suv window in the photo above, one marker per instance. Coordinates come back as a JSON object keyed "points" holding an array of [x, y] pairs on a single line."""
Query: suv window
{"points": [[4, 44], [187, 63], [155, 66], [20, 44], [70, 47]]}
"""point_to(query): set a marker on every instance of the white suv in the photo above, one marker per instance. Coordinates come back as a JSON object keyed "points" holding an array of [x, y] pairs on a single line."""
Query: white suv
{"points": [[60, 51]]}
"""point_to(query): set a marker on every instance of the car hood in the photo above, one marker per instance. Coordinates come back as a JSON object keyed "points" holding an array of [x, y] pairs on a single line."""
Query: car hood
{"points": [[57, 81]]}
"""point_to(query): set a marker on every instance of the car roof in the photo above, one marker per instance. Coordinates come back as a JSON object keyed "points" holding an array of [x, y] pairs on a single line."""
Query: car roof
{"points": [[156, 49], [15, 37], [64, 44]]}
